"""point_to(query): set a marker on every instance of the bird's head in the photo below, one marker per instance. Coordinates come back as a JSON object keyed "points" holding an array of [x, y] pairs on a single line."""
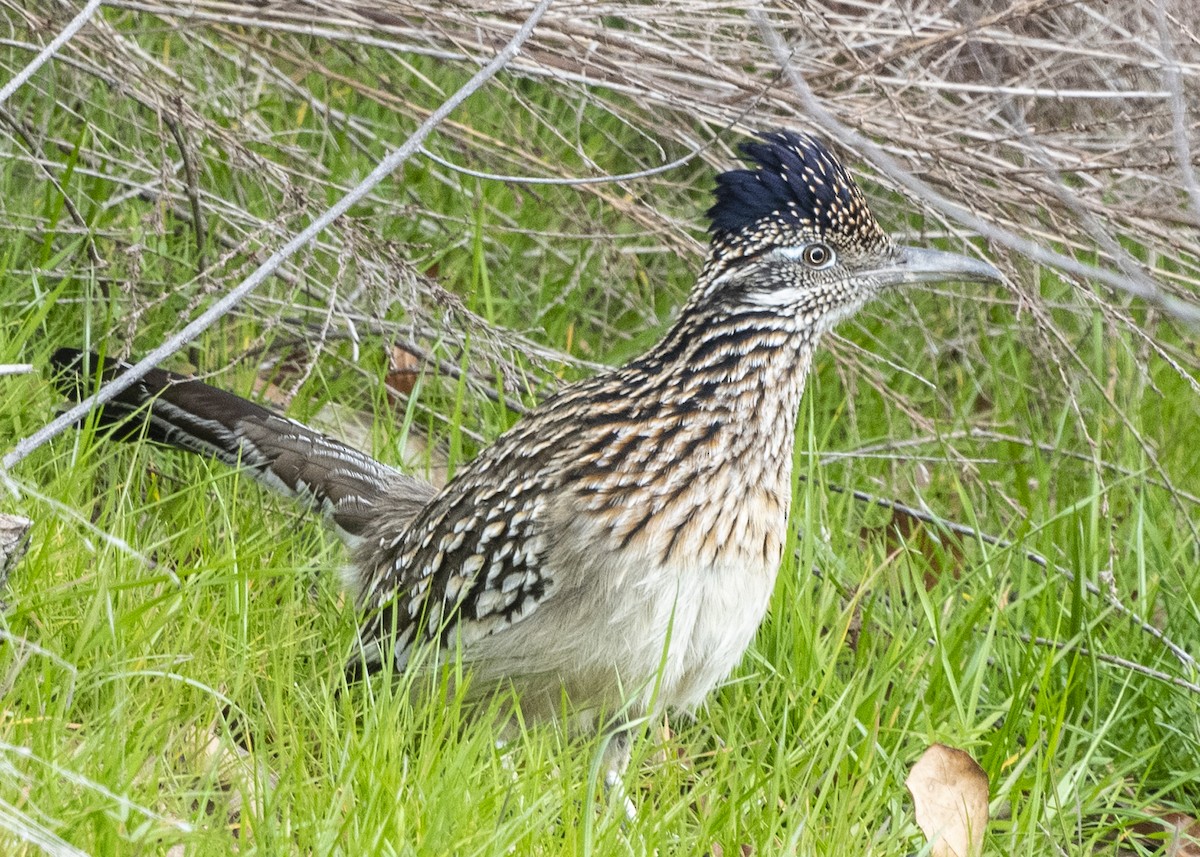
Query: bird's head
{"points": [[793, 234]]}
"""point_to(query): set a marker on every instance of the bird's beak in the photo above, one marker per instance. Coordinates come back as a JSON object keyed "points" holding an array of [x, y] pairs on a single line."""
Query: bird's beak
{"points": [[920, 265]]}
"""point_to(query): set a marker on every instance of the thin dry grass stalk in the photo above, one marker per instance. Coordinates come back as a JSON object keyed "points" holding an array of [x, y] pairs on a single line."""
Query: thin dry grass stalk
{"points": [[1070, 126], [996, 105]]}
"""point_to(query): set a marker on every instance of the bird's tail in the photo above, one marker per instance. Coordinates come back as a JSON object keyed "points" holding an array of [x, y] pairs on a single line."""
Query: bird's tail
{"points": [[348, 487]]}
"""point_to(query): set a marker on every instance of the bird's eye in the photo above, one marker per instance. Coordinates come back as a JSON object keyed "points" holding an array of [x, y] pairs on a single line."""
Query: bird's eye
{"points": [[818, 255]]}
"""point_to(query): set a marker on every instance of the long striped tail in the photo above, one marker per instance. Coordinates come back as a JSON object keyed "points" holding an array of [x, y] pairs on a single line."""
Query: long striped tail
{"points": [[351, 489]]}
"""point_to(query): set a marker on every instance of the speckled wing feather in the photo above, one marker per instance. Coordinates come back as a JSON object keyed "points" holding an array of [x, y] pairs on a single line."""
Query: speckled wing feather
{"points": [[472, 562]]}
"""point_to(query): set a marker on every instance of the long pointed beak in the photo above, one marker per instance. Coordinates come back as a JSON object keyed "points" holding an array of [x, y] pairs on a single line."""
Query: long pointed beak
{"points": [[920, 265]]}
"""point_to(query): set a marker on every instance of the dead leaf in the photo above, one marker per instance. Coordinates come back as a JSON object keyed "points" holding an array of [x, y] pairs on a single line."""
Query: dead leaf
{"points": [[950, 794], [718, 850], [404, 368], [245, 783], [942, 551], [280, 376], [1173, 834]]}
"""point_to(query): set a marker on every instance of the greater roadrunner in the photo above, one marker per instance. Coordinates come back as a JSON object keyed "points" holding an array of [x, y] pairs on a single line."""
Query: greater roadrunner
{"points": [[620, 543]]}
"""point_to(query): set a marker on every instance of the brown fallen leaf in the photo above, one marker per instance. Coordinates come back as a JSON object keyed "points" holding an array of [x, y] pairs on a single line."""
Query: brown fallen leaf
{"points": [[404, 368], [942, 551], [280, 375], [950, 796], [243, 783], [1176, 834]]}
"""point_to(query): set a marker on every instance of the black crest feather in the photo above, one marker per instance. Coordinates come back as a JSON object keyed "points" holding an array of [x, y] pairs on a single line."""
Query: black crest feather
{"points": [[794, 180]]}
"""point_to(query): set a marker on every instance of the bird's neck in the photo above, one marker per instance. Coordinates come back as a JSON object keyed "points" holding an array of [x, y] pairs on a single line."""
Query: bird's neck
{"points": [[695, 463], [743, 368], [735, 378]]}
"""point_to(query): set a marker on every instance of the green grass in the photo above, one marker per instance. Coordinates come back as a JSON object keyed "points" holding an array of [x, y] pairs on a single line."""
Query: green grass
{"points": [[167, 605]]}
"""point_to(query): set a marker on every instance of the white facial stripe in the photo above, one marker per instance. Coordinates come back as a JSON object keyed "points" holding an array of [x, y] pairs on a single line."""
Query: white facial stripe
{"points": [[779, 297]]}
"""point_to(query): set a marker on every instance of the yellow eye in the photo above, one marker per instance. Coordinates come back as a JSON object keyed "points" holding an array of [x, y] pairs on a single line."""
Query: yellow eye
{"points": [[818, 255]]}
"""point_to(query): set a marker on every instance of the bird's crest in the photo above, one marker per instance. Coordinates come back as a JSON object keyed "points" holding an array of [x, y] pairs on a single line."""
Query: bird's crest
{"points": [[794, 186]]}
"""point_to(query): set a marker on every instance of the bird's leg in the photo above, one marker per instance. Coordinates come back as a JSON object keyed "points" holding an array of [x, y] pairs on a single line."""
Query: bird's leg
{"points": [[615, 761]]}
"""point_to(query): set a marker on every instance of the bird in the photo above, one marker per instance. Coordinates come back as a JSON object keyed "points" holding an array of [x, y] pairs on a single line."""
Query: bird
{"points": [[617, 547]]}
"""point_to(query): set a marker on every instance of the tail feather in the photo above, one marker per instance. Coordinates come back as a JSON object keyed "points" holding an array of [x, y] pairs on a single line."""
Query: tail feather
{"points": [[347, 486]]}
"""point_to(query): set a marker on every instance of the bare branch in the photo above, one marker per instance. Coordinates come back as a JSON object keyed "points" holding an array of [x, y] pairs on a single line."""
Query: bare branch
{"points": [[231, 299], [73, 27], [1134, 284]]}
